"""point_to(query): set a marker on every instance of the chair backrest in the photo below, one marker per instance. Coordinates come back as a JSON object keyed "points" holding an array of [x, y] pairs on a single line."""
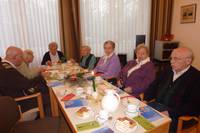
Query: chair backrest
{"points": [[122, 59], [97, 60], [9, 113]]}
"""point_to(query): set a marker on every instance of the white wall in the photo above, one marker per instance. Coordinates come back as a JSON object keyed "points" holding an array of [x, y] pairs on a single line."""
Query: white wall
{"points": [[188, 34]]}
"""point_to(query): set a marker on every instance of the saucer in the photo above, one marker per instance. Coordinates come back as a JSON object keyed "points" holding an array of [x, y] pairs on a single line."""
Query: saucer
{"points": [[131, 114], [101, 120]]}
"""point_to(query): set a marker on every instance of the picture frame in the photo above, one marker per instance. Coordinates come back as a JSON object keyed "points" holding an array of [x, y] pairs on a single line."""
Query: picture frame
{"points": [[188, 13]]}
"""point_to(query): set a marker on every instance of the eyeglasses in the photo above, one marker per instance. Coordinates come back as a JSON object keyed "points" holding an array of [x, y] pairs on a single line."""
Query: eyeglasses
{"points": [[178, 59]]}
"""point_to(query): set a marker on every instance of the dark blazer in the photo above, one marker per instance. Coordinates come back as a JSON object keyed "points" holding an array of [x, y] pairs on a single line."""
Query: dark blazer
{"points": [[46, 57], [184, 99], [14, 84]]}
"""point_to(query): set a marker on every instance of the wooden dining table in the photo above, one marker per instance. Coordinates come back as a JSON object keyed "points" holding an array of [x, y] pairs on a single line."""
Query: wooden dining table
{"points": [[62, 86]]}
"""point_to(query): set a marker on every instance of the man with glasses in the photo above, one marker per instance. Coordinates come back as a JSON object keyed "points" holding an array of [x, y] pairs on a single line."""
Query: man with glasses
{"points": [[176, 91], [14, 84]]}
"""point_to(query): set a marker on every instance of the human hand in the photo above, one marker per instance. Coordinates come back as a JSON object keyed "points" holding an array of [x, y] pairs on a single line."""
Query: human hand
{"points": [[128, 90], [49, 63], [42, 69], [46, 74], [119, 83]]}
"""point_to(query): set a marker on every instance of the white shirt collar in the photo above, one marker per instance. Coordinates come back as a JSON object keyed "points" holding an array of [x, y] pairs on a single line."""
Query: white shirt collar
{"points": [[143, 61], [4, 60], [54, 58], [106, 57], [139, 64], [177, 75]]}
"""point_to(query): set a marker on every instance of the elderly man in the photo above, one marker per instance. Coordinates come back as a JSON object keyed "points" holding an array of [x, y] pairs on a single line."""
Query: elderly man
{"points": [[177, 90], [88, 60], [53, 56], [13, 83]]}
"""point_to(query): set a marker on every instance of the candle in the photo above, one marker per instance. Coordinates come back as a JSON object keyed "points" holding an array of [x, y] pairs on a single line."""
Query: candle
{"points": [[93, 82], [92, 73]]}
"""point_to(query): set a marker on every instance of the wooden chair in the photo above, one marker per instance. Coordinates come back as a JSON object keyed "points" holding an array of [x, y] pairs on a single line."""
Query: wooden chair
{"points": [[39, 102], [182, 119], [10, 118]]}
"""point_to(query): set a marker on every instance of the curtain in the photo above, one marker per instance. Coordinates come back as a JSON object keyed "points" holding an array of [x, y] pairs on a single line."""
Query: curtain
{"points": [[29, 24], [70, 28], [161, 19], [117, 20]]}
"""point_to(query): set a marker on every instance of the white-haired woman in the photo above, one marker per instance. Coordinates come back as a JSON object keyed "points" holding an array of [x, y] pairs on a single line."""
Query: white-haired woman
{"points": [[53, 56]]}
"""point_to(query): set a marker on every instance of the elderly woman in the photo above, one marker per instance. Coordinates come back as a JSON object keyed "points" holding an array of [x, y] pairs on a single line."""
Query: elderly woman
{"points": [[136, 76], [109, 65], [24, 68], [88, 60], [53, 56]]}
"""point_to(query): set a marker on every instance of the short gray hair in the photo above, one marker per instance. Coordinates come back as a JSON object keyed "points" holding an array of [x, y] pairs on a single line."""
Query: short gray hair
{"points": [[53, 43], [12, 51], [85, 46]]}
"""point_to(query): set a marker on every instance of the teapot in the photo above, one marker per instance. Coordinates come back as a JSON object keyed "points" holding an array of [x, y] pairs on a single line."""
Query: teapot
{"points": [[110, 101]]}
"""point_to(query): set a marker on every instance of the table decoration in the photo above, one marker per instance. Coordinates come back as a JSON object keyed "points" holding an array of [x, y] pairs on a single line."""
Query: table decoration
{"points": [[75, 103], [87, 125], [68, 97], [150, 114], [144, 122], [55, 83], [104, 130]]}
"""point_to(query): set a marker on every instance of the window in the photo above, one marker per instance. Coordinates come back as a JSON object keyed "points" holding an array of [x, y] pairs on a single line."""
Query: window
{"points": [[29, 24], [117, 20]]}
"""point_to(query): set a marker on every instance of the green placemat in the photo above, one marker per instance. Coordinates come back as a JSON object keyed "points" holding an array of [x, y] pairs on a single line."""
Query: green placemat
{"points": [[87, 125], [144, 122]]}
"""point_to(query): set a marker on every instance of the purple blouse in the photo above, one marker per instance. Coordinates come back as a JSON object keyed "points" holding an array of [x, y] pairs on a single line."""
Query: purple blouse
{"points": [[110, 68], [139, 79]]}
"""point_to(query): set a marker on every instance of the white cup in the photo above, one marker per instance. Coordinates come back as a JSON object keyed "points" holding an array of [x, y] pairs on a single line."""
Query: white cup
{"points": [[98, 79], [89, 90], [95, 95], [79, 90], [103, 114], [62, 92], [132, 108]]}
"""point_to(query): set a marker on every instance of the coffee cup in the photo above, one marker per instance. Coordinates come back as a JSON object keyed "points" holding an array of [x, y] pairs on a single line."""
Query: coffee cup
{"points": [[89, 90], [62, 92], [103, 114], [79, 90], [132, 108]]}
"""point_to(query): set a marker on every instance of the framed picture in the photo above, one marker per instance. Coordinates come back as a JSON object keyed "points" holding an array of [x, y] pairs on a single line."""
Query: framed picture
{"points": [[188, 13]]}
